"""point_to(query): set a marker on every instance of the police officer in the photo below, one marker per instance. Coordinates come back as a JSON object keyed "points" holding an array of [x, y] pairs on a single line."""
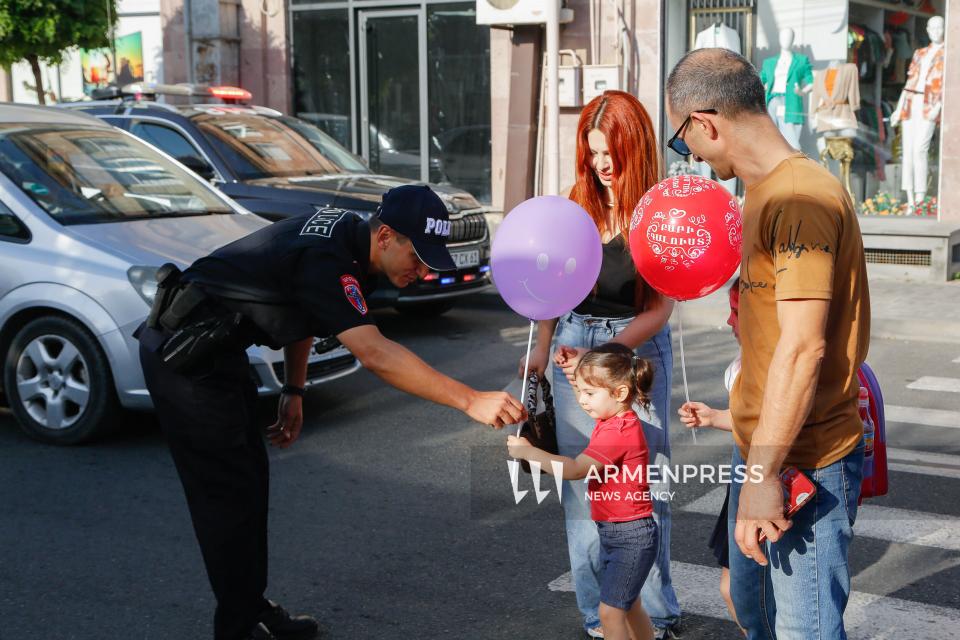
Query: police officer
{"points": [[281, 286]]}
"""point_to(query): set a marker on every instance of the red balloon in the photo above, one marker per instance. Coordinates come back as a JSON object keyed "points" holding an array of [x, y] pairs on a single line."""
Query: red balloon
{"points": [[686, 236]]}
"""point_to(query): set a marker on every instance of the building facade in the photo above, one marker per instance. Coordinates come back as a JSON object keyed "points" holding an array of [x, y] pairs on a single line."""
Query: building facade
{"points": [[419, 90]]}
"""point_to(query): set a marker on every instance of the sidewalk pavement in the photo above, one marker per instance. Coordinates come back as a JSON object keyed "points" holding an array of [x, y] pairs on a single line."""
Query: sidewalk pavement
{"points": [[900, 310]]}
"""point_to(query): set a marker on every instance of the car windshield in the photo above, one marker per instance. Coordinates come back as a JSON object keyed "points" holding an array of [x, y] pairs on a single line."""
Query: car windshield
{"points": [[259, 146], [82, 175]]}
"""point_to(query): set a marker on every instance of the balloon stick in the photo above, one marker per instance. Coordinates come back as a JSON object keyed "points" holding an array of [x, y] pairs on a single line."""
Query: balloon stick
{"points": [[526, 372], [683, 364]]}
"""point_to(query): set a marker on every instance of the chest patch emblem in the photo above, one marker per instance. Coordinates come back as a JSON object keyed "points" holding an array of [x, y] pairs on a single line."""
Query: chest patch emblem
{"points": [[351, 289]]}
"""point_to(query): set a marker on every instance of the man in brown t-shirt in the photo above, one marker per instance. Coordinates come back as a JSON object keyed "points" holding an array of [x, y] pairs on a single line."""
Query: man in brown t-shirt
{"points": [[804, 328], [801, 241]]}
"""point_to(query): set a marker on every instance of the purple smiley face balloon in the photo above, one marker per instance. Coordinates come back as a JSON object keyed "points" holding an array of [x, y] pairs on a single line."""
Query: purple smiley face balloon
{"points": [[546, 257]]}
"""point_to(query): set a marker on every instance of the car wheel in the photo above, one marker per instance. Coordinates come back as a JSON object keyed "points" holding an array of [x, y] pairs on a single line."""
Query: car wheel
{"points": [[58, 382], [426, 309]]}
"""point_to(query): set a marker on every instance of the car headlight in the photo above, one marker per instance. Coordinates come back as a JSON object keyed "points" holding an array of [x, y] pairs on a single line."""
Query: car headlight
{"points": [[144, 281]]}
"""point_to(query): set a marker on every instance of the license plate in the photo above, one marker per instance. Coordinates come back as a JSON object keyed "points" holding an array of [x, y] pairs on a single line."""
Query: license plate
{"points": [[466, 259], [322, 346]]}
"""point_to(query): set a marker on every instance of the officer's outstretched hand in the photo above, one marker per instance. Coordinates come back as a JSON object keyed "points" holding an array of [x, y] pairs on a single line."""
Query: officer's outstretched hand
{"points": [[286, 430], [496, 408]]}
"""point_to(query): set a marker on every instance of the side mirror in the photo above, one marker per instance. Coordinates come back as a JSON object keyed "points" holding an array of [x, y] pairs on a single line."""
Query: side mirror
{"points": [[198, 166], [11, 228]]}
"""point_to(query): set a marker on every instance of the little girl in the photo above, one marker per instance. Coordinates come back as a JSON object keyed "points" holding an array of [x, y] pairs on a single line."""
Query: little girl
{"points": [[609, 380]]}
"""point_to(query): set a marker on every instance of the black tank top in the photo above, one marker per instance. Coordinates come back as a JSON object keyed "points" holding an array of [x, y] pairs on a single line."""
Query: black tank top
{"points": [[615, 295]]}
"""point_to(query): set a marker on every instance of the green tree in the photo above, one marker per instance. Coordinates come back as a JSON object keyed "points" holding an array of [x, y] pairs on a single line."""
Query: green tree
{"points": [[41, 30]]}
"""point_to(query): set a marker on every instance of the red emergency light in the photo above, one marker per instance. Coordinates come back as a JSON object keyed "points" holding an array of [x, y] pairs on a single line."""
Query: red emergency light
{"points": [[230, 93]]}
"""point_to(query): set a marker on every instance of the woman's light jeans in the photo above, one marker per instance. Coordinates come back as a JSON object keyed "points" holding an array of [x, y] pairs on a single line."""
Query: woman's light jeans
{"points": [[574, 427]]}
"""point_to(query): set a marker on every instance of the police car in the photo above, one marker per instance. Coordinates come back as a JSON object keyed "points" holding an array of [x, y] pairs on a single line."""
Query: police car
{"points": [[87, 215], [279, 166]]}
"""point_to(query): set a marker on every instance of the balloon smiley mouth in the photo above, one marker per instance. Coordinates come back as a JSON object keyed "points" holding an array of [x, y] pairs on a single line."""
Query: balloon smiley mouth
{"points": [[532, 294]]}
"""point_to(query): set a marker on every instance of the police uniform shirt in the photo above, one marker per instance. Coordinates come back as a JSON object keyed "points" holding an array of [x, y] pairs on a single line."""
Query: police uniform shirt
{"points": [[300, 277]]}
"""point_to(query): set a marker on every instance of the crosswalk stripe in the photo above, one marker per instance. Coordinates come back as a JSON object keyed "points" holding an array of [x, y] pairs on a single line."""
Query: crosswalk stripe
{"points": [[933, 383], [920, 416], [924, 471], [923, 463], [912, 455], [868, 616], [881, 523]]}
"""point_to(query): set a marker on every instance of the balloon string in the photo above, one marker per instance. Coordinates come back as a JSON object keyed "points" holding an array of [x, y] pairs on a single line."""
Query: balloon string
{"points": [[683, 364], [526, 372]]}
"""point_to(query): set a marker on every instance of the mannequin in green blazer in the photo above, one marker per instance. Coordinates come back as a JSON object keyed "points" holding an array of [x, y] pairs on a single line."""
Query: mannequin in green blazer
{"points": [[785, 99]]}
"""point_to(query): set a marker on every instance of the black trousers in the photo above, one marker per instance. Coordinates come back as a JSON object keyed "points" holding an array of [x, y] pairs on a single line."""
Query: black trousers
{"points": [[208, 417]]}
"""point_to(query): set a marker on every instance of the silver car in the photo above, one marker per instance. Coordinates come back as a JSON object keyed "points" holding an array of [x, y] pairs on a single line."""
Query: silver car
{"points": [[87, 214]]}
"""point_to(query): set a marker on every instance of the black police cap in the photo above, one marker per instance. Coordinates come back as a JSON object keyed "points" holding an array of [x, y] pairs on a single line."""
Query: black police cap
{"points": [[419, 214]]}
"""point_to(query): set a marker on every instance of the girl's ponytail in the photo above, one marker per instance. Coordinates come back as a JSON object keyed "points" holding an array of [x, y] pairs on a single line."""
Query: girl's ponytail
{"points": [[642, 380]]}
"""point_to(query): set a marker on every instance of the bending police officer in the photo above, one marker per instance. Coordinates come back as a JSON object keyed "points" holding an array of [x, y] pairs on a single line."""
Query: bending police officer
{"points": [[281, 286]]}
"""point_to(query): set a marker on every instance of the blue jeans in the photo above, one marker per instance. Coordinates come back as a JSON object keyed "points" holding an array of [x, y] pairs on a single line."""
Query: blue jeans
{"points": [[803, 591], [574, 427]]}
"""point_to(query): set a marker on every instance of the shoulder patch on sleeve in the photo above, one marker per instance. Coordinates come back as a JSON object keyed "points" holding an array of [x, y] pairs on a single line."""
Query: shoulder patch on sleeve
{"points": [[351, 289], [322, 222]]}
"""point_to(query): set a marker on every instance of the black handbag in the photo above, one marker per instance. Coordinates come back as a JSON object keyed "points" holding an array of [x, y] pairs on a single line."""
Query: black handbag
{"points": [[540, 428]]}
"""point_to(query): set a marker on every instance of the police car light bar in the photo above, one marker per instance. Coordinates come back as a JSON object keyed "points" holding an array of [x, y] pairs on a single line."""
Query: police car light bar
{"points": [[149, 90], [230, 93]]}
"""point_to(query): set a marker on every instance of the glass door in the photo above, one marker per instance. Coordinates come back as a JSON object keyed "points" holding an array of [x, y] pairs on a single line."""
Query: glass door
{"points": [[393, 87]]}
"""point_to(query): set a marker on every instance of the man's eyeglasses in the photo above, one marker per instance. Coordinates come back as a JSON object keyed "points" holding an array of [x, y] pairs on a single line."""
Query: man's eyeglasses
{"points": [[676, 142]]}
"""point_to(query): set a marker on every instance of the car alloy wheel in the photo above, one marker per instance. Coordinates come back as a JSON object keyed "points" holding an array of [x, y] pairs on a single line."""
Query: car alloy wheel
{"points": [[53, 382]]}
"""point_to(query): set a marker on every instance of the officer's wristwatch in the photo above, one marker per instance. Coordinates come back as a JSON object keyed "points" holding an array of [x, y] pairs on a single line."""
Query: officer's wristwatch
{"points": [[290, 390]]}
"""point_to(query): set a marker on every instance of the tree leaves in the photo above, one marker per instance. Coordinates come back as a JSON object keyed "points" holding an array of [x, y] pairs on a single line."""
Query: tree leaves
{"points": [[44, 29]]}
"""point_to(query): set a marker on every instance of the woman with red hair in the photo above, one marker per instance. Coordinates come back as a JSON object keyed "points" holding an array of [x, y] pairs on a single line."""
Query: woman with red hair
{"points": [[617, 161]]}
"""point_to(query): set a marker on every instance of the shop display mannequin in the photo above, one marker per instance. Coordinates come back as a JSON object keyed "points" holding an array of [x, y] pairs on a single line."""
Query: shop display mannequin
{"points": [[918, 111], [717, 35], [836, 99], [787, 77]]}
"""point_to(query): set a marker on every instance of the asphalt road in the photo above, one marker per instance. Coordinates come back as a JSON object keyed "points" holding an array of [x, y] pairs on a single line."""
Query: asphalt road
{"points": [[392, 518]]}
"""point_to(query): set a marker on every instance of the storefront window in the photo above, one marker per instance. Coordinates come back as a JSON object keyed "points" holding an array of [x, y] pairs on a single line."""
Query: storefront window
{"points": [[321, 68], [458, 63], [455, 148], [895, 170], [840, 87]]}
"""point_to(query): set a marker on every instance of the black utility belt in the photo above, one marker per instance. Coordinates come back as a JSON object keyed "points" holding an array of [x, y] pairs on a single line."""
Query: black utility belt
{"points": [[197, 325]]}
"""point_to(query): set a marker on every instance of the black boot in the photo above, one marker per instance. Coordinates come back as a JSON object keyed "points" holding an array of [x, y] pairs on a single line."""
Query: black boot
{"points": [[283, 626]]}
